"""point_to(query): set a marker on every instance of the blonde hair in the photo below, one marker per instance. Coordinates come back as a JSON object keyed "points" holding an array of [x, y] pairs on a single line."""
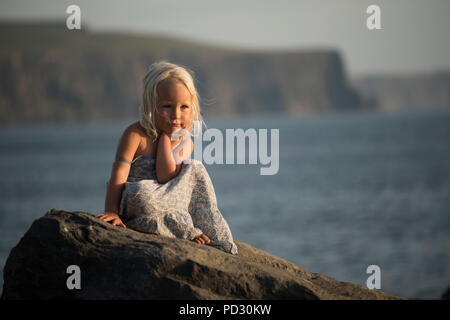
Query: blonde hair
{"points": [[158, 72]]}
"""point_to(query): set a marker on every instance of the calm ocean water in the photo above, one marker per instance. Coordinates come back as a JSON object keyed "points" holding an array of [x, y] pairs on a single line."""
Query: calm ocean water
{"points": [[352, 190]]}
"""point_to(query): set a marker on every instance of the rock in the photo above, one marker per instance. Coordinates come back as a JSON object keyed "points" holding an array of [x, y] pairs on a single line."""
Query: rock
{"points": [[425, 90], [118, 263], [446, 294]]}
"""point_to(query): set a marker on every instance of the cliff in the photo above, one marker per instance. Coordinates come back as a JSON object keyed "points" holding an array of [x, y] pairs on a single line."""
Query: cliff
{"points": [[418, 91], [118, 263], [52, 74]]}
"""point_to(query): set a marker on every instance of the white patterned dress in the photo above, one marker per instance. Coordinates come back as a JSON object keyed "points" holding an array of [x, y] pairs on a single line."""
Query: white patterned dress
{"points": [[185, 207]]}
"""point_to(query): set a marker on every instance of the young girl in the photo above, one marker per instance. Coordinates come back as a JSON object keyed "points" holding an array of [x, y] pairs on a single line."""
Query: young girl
{"points": [[150, 190]]}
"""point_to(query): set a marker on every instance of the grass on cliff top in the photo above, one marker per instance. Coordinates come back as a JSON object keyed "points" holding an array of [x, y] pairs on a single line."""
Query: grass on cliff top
{"points": [[38, 37]]}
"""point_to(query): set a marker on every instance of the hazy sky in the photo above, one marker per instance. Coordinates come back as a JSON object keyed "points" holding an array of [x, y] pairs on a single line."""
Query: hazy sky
{"points": [[414, 35]]}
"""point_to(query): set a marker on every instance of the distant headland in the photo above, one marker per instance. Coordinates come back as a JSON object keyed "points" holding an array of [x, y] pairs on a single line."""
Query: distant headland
{"points": [[51, 74]]}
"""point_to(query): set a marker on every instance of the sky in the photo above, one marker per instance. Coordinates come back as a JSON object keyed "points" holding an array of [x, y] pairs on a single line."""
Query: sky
{"points": [[413, 37]]}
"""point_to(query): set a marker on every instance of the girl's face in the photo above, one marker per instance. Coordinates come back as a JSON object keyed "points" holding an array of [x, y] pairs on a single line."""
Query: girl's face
{"points": [[174, 110]]}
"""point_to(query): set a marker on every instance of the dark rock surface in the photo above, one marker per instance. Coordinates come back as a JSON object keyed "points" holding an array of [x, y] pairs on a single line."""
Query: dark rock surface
{"points": [[118, 263], [446, 294]]}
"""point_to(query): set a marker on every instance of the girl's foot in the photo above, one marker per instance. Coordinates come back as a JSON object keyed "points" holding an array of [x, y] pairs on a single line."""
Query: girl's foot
{"points": [[201, 239]]}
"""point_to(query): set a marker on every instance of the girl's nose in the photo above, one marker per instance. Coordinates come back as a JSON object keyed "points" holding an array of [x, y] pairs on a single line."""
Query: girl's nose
{"points": [[176, 113]]}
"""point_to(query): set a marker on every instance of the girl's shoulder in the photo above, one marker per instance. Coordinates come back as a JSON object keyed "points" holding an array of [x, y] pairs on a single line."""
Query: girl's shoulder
{"points": [[136, 128], [132, 135], [145, 145]]}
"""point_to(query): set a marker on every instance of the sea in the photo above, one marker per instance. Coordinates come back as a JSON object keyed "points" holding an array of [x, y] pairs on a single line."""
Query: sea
{"points": [[352, 190]]}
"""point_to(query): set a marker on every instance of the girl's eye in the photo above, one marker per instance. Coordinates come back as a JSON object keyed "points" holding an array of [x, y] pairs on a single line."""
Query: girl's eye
{"points": [[185, 107]]}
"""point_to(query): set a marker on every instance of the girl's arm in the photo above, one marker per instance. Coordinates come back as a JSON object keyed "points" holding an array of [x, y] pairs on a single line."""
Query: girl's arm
{"points": [[116, 184], [166, 168], [128, 144]]}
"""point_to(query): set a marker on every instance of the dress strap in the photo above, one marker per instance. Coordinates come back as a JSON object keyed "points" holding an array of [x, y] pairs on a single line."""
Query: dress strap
{"points": [[123, 160]]}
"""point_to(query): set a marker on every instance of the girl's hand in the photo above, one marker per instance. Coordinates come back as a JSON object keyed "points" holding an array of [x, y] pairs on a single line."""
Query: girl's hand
{"points": [[168, 130], [201, 239], [113, 217], [173, 143]]}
